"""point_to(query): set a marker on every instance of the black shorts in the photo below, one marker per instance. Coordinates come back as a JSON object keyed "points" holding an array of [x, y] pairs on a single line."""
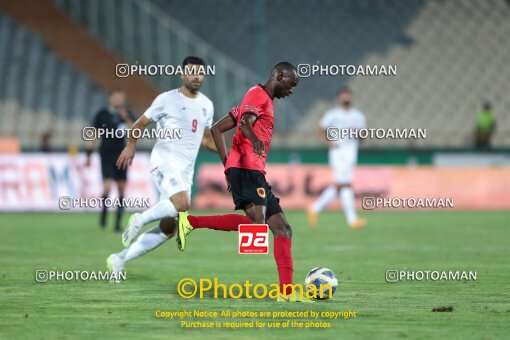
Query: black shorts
{"points": [[250, 186], [110, 170]]}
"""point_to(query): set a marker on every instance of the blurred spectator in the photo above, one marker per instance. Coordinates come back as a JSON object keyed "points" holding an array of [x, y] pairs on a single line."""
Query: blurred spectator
{"points": [[485, 126], [45, 142], [113, 117]]}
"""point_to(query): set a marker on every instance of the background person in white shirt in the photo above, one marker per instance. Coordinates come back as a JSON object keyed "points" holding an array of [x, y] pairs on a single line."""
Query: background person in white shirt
{"points": [[343, 155]]}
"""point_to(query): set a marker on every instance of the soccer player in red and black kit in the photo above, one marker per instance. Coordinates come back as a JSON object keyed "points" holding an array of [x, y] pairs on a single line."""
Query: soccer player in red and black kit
{"points": [[245, 172]]}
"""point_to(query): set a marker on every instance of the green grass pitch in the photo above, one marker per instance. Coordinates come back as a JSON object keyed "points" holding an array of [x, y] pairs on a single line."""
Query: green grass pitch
{"points": [[475, 241]]}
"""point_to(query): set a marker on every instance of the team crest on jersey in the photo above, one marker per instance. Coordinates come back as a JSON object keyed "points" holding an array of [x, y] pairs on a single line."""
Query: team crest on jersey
{"points": [[173, 182], [261, 192], [204, 112]]}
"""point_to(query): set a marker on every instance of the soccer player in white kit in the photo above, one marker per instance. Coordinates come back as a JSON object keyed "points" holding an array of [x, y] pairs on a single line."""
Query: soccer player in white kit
{"points": [[343, 155], [172, 160]]}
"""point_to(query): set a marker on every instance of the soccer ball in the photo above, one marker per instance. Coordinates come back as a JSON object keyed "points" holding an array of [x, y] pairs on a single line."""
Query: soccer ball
{"points": [[317, 281]]}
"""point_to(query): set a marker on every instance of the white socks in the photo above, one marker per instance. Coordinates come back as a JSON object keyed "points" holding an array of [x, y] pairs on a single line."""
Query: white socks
{"points": [[146, 242], [123, 253], [324, 199], [347, 197], [162, 209], [152, 238]]}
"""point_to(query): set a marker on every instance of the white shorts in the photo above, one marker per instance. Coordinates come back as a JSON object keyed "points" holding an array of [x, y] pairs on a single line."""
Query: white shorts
{"points": [[171, 181], [342, 161]]}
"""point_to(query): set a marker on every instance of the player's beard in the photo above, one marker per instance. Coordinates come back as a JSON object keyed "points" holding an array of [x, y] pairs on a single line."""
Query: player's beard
{"points": [[192, 88], [278, 93]]}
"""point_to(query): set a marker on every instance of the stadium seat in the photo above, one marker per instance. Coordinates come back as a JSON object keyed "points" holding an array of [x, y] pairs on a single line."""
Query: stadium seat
{"points": [[37, 88]]}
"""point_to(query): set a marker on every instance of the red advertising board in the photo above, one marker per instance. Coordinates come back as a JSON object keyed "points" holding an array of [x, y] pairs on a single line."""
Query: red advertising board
{"points": [[299, 185], [34, 182]]}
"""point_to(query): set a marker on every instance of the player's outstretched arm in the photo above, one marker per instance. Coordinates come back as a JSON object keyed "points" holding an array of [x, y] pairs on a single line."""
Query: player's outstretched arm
{"points": [[126, 157], [91, 146], [323, 136], [208, 141], [217, 133], [246, 127]]}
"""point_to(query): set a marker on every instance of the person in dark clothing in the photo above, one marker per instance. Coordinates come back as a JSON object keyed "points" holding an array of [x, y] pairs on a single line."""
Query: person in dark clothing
{"points": [[45, 142], [112, 118], [485, 127]]}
